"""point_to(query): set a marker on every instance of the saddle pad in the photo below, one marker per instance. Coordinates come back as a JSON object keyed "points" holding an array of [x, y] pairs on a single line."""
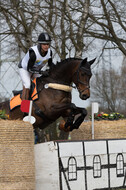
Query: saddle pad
{"points": [[16, 100]]}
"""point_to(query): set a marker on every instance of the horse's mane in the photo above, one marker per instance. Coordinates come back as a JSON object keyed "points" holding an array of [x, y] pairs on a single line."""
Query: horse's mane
{"points": [[63, 62], [57, 69], [67, 60]]}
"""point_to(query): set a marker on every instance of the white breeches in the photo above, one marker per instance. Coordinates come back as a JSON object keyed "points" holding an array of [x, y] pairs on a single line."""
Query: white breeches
{"points": [[26, 77]]}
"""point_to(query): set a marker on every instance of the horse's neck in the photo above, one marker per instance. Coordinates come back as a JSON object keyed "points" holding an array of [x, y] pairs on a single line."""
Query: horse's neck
{"points": [[65, 73]]}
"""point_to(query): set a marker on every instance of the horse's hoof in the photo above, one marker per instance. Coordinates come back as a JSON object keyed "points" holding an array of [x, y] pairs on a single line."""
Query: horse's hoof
{"points": [[62, 126]]}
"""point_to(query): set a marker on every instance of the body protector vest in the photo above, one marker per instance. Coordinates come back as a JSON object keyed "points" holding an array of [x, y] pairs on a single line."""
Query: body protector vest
{"points": [[41, 62]]}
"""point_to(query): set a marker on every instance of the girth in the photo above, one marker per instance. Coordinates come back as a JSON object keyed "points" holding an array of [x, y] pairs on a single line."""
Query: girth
{"points": [[39, 112]]}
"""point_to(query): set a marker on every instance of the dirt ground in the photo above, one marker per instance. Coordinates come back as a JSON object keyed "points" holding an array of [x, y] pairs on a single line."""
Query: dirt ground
{"points": [[102, 130]]}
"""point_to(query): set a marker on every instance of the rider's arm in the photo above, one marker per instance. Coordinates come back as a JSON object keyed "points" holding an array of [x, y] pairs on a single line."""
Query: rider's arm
{"points": [[32, 59], [50, 63]]}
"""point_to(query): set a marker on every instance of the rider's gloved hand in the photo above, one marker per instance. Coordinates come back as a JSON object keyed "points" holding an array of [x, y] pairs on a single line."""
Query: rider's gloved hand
{"points": [[44, 73], [34, 71]]}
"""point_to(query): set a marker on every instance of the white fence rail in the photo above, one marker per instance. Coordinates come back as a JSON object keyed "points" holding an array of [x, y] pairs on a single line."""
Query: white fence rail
{"points": [[87, 165]]}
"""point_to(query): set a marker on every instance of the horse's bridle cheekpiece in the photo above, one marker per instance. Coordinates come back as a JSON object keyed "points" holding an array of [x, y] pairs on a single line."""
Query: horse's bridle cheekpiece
{"points": [[88, 72]]}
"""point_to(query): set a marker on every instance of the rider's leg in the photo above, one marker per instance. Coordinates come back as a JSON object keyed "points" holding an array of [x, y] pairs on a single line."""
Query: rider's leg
{"points": [[26, 80], [25, 93]]}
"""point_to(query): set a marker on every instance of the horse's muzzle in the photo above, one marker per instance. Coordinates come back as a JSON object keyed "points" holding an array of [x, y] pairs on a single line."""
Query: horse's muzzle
{"points": [[85, 93], [84, 96]]}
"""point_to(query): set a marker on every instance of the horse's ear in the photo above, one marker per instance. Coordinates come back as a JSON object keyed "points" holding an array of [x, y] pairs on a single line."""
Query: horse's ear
{"points": [[84, 62], [92, 61]]}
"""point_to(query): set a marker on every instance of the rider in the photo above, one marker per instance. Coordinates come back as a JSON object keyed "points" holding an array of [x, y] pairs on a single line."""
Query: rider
{"points": [[35, 63]]}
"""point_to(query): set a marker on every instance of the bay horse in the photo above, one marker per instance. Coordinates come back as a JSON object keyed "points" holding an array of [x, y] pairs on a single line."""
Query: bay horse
{"points": [[54, 103]]}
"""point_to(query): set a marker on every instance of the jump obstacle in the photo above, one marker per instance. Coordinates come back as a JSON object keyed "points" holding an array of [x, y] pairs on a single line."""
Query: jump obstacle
{"points": [[17, 166], [87, 165], [61, 165]]}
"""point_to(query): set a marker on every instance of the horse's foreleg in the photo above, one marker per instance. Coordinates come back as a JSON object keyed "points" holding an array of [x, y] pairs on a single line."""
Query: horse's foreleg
{"points": [[79, 120], [71, 124]]}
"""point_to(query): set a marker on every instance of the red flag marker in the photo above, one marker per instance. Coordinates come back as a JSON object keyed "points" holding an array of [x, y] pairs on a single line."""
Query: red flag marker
{"points": [[25, 105]]}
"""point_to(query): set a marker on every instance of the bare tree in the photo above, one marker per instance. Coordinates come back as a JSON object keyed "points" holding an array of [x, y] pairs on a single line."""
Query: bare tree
{"points": [[123, 86], [20, 17], [72, 24], [106, 89], [108, 22], [66, 21]]}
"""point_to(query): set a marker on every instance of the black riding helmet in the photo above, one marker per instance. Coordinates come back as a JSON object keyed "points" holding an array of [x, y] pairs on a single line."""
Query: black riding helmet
{"points": [[44, 38]]}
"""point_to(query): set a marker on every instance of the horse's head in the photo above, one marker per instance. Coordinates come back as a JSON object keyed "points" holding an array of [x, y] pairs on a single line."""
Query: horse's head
{"points": [[83, 78], [74, 70]]}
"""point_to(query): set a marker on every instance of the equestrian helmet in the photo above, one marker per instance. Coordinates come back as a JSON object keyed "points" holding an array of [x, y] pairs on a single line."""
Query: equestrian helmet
{"points": [[44, 38]]}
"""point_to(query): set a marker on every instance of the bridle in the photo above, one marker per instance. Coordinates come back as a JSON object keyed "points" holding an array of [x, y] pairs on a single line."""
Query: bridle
{"points": [[88, 72]]}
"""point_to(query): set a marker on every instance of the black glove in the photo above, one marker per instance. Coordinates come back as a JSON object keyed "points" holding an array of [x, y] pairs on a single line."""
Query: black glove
{"points": [[34, 71], [44, 73]]}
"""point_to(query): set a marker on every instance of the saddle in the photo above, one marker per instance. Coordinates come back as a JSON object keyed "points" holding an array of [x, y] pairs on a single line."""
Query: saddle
{"points": [[16, 100]]}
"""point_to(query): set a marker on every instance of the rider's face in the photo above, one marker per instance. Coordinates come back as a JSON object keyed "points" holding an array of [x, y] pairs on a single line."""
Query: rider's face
{"points": [[45, 47]]}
